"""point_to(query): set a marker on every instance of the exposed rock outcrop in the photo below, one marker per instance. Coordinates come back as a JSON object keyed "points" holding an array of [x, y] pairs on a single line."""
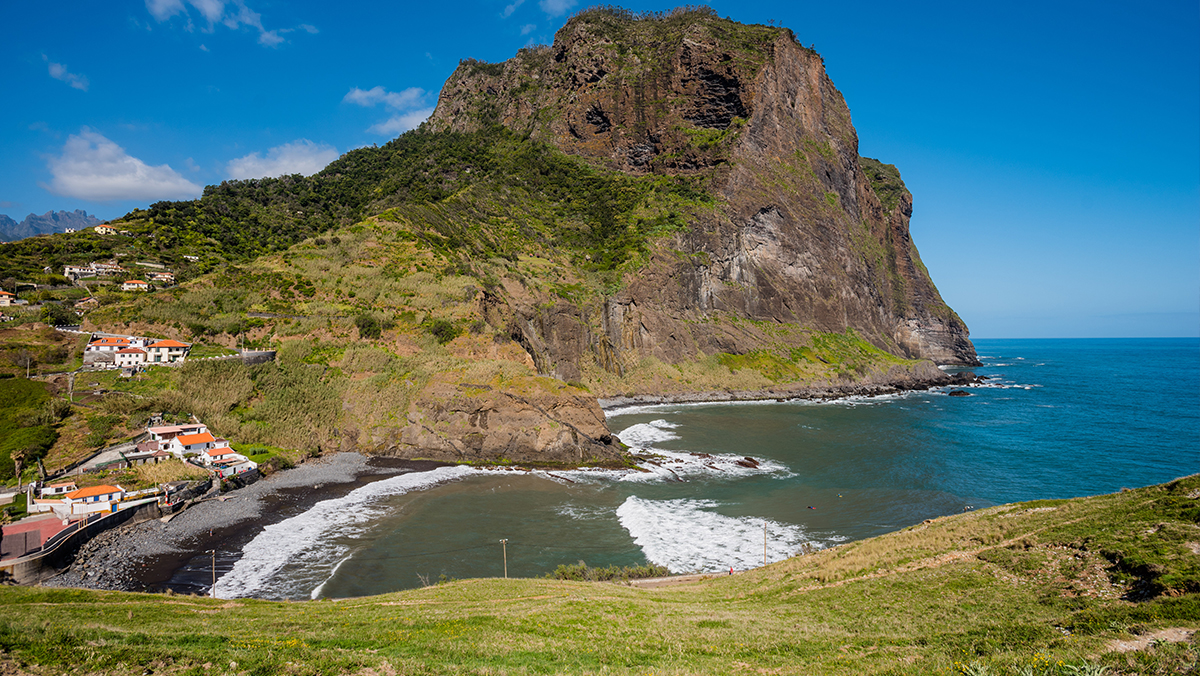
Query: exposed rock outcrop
{"points": [[805, 231]]}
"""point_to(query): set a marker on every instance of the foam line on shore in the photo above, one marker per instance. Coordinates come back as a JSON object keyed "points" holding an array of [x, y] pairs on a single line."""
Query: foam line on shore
{"points": [[687, 535], [303, 545]]}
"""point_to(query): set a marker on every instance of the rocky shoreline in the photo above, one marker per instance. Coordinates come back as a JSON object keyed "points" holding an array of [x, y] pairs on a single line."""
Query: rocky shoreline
{"points": [[182, 554], [158, 556], [824, 392]]}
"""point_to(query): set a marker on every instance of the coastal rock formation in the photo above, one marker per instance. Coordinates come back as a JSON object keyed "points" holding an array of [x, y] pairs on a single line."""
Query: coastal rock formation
{"points": [[805, 231], [538, 422]]}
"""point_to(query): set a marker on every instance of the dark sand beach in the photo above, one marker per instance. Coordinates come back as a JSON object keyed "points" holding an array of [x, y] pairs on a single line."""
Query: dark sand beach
{"points": [[179, 555]]}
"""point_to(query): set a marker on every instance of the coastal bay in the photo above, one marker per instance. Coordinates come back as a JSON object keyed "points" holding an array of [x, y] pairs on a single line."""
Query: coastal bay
{"points": [[1054, 419]]}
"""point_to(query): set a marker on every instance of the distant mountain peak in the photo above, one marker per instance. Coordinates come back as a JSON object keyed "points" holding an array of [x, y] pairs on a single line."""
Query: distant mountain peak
{"points": [[47, 223]]}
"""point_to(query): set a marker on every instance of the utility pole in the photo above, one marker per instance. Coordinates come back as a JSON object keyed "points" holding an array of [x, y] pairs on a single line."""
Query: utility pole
{"points": [[213, 590], [504, 544]]}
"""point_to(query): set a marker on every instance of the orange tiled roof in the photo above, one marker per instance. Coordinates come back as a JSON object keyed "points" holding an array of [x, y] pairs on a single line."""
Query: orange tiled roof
{"points": [[131, 350], [189, 439], [135, 281], [93, 490], [214, 452], [169, 343]]}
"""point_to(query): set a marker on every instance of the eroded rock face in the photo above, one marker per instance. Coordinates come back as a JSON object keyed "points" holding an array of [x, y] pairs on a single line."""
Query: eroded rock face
{"points": [[803, 234], [536, 422]]}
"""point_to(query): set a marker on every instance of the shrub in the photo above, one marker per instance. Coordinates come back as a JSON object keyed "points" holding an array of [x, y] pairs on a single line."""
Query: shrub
{"points": [[581, 572], [443, 330], [368, 326]]}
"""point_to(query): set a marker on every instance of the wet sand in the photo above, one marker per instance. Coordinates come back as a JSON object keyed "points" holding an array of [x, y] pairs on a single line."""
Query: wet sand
{"points": [[179, 555]]}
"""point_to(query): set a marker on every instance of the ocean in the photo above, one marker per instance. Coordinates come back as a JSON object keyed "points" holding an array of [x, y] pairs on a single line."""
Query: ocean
{"points": [[737, 484]]}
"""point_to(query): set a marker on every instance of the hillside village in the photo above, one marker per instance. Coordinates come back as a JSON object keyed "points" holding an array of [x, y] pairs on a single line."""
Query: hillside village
{"points": [[63, 501], [58, 507]]}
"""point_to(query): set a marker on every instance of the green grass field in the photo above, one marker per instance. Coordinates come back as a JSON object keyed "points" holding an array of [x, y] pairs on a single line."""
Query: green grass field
{"points": [[1037, 588]]}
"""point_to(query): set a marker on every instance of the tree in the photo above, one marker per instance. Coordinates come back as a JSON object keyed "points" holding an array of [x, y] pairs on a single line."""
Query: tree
{"points": [[23, 358], [58, 315]]}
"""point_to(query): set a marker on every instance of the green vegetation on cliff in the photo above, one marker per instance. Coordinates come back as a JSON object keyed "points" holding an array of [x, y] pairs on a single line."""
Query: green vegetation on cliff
{"points": [[1044, 588]]}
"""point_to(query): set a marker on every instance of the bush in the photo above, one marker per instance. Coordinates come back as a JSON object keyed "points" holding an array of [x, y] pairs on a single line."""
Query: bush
{"points": [[444, 331], [581, 572], [368, 326], [58, 315]]}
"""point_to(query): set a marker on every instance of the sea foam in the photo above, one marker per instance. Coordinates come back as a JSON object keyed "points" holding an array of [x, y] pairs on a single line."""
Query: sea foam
{"points": [[685, 535], [305, 543]]}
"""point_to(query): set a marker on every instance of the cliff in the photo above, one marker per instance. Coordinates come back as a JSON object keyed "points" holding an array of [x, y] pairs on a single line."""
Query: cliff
{"points": [[805, 232], [655, 206]]}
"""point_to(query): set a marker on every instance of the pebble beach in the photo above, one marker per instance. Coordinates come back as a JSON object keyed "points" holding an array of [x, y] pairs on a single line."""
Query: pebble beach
{"points": [[178, 555]]}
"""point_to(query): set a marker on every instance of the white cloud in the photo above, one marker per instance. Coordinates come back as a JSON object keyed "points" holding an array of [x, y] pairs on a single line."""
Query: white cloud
{"points": [[59, 71], [408, 98], [508, 11], [528, 28], [165, 9], [232, 14], [91, 167], [556, 7], [298, 157], [398, 124], [403, 104]]}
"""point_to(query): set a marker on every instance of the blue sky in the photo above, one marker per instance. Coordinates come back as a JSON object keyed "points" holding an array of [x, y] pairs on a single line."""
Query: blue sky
{"points": [[1053, 148]]}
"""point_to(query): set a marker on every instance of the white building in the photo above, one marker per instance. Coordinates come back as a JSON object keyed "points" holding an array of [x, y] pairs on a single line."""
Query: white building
{"points": [[225, 461], [6, 299], [108, 344], [135, 285], [130, 357], [168, 432], [57, 489], [166, 352], [93, 499], [191, 444]]}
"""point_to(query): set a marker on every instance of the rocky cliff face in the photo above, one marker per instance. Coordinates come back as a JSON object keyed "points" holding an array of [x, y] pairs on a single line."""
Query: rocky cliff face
{"points": [[805, 231]]}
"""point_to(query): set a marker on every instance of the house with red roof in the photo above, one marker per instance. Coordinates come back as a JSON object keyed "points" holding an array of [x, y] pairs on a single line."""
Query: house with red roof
{"points": [[135, 285], [191, 444], [108, 344], [130, 357], [6, 299], [59, 488], [93, 499], [166, 352], [167, 432]]}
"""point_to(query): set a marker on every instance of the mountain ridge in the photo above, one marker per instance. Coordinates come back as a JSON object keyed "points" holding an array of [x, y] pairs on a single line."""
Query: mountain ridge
{"points": [[801, 236], [45, 224], [595, 219]]}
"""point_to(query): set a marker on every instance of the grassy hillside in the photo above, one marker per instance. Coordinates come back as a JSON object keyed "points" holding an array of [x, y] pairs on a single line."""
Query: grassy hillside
{"points": [[1048, 587]]}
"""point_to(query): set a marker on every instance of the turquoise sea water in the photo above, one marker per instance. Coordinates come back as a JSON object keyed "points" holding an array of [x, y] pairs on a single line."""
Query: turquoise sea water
{"points": [[1057, 418]]}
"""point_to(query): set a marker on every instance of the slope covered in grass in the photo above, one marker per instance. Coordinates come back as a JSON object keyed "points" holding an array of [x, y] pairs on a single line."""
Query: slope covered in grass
{"points": [[1035, 588]]}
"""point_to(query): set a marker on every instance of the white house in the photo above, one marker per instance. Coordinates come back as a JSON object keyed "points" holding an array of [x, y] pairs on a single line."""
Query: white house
{"points": [[78, 271], [168, 432], [191, 444], [108, 344], [105, 230], [57, 489], [135, 285], [225, 461], [93, 499], [166, 352], [165, 278], [6, 299], [130, 357]]}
